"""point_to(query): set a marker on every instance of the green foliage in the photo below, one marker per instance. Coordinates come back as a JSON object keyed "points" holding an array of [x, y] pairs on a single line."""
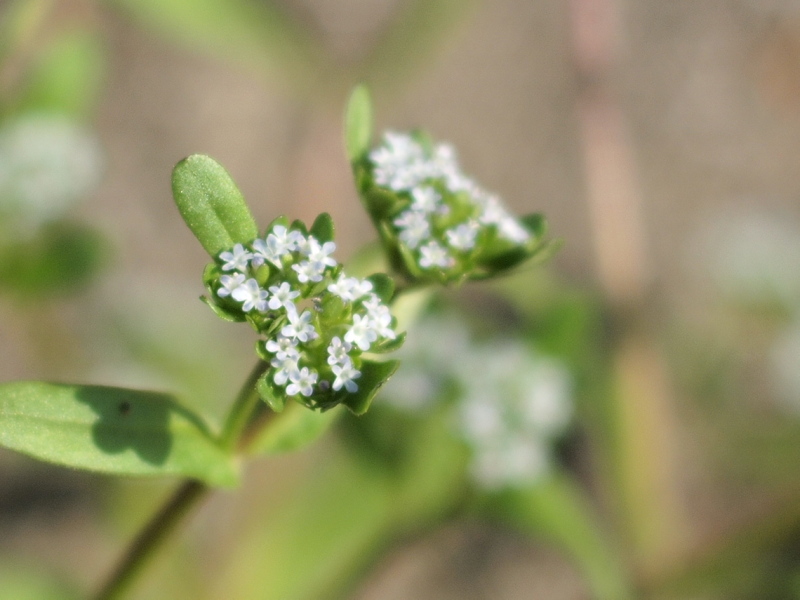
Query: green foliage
{"points": [[555, 509], [110, 430], [211, 204], [358, 124], [67, 76], [373, 376], [62, 258]]}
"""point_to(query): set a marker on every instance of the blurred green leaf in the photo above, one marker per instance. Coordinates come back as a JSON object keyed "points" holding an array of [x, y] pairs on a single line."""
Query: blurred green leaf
{"points": [[422, 28], [110, 430], [258, 33], [19, 19], [358, 124], [557, 510], [62, 258], [296, 427], [211, 204], [26, 582], [67, 77]]}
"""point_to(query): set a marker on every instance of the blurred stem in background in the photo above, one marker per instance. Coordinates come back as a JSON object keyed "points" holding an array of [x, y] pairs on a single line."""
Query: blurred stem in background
{"points": [[642, 436]]}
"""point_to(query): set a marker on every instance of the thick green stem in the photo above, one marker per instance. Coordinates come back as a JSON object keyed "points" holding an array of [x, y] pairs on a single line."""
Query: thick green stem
{"points": [[151, 538]]}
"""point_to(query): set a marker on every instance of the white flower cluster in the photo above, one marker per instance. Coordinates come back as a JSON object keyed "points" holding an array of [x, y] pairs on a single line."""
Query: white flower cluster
{"points": [[447, 212], [511, 403], [314, 349], [47, 163]]}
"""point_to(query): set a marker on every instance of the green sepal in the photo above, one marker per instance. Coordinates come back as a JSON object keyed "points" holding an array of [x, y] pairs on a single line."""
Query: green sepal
{"points": [[296, 427], [373, 376], [382, 286], [267, 393], [111, 430], [280, 220], [211, 274], [323, 229], [298, 225], [358, 124], [211, 204], [388, 345], [223, 313], [535, 224]]}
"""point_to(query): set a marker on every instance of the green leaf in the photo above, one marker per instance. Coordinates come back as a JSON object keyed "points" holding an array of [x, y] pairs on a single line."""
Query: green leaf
{"points": [[265, 390], [322, 229], [63, 258], [373, 376], [211, 204], [383, 286], [110, 430], [296, 427], [358, 124], [388, 345], [223, 313], [556, 508], [535, 224], [68, 76]]}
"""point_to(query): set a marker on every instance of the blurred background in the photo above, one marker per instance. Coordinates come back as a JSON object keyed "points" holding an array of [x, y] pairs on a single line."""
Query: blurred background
{"points": [[661, 140]]}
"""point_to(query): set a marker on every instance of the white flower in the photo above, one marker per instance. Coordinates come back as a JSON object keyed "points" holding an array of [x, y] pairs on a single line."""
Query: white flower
{"points": [[361, 333], [433, 254], [309, 271], [286, 369], [282, 296], [320, 253], [345, 374], [380, 317], [350, 288], [229, 283], [414, 227], [510, 229], [463, 236], [426, 199], [281, 241], [302, 382], [237, 259], [251, 295], [283, 347], [267, 250], [299, 327], [337, 351]]}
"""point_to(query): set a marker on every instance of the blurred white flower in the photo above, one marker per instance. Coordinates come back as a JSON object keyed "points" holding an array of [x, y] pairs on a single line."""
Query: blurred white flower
{"points": [[47, 163]]}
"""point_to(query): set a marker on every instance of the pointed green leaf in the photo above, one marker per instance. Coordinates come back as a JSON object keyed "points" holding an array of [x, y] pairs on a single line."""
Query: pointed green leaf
{"points": [[322, 229], [535, 224], [383, 286], [222, 313], [388, 345], [373, 376], [211, 204], [265, 390], [358, 124], [296, 427], [110, 430]]}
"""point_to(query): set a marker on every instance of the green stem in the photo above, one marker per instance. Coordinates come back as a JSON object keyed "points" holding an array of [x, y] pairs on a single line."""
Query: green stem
{"points": [[151, 538], [164, 523], [242, 409]]}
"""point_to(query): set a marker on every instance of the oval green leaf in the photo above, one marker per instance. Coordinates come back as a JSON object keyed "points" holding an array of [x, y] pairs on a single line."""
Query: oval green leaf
{"points": [[323, 229], [358, 124], [110, 430], [211, 204]]}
